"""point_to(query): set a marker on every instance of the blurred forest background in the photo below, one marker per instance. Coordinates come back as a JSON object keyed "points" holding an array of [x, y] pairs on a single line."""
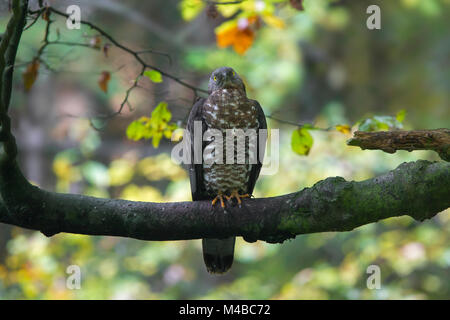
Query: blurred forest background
{"points": [[320, 65]]}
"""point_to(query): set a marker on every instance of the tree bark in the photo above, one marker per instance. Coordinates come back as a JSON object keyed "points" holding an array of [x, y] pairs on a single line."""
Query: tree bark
{"points": [[419, 189], [390, 141]]}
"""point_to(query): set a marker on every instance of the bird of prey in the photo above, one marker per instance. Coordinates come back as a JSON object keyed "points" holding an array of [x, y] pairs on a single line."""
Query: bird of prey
{"points": [[226, 108]]}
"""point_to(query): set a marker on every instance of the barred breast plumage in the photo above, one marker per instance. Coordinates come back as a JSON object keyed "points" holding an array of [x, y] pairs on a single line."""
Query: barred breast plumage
{"points": [[229, 109]]}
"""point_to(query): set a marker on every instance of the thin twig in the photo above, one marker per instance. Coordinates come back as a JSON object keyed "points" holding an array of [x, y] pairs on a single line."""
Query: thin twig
{"points": [[33, 22], [156, 52], [132, 52], [135, 54], [300, 125]]}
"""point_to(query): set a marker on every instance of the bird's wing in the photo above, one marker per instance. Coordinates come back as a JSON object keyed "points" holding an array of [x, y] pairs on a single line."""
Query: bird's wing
{"points": [[196, 170], [261, 145]]}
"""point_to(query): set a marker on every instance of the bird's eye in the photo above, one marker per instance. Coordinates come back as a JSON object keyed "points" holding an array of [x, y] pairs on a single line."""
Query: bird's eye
{"points": [[215, 78]]}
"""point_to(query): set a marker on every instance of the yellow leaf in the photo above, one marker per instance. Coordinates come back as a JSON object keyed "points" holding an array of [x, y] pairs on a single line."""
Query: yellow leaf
{"points": [[344, 128], [191, 8], [273, 21], [229, 9]]}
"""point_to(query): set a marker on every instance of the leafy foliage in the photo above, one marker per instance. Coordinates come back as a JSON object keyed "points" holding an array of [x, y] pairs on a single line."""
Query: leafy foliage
{"points": [[244, 19], [379, 123], [156, 127]]}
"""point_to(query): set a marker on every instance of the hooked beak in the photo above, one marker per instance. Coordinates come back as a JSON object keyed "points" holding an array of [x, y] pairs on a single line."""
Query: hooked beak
{"points": [[227, 81]]}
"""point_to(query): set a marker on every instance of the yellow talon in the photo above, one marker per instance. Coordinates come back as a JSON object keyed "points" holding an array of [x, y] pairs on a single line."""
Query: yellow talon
{"points": [[218, 197], [235, 194]]}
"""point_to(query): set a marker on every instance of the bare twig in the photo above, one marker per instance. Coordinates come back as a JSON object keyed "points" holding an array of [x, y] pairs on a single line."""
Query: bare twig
{"points": [[125, 101], [136, 55], [156, 52], [34, 21], [300, 125]]}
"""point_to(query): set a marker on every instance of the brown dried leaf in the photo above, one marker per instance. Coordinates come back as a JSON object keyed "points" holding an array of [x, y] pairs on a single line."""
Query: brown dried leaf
{"points": [[297, 4], [46, 14], [95, 42], [103, 81], [30, 74]]}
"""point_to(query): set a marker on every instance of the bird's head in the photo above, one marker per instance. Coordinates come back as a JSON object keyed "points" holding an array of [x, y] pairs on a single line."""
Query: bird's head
{"points": [[225, 78]]}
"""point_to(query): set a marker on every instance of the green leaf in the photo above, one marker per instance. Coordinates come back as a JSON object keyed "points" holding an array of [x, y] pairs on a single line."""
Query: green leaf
{"points": [[367, 125], [136, 130], [156, 127], [301, 141], [156, 139], [153, 75], [161, 113], [400, 116], [191, 8], [380, 123]]}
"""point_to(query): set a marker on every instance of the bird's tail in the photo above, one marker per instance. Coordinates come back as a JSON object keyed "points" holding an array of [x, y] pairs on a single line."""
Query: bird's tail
{"points": [[218, 254]]}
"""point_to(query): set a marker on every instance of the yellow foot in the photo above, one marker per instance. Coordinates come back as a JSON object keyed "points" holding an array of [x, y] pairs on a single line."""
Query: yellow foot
{"points": [[218, 197], [235, 194]]}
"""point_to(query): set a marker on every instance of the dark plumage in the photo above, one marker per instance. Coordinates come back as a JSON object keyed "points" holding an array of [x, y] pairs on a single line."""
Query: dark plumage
{"points": [[227, 107]]}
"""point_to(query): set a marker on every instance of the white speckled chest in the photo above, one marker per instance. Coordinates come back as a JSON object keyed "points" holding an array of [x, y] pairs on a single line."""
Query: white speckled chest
{"points": [[229, 109]]}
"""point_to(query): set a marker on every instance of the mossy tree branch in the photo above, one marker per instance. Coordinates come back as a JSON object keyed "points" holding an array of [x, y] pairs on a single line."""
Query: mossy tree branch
{"points": [[390, 141], [419, 189]]}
